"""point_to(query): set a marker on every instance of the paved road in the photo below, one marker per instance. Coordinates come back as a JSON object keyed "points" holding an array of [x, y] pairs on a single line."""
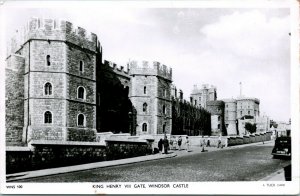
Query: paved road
{"points": [[249, 163]]}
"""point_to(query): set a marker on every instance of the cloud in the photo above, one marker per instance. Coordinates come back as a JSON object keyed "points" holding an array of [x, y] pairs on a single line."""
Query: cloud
{"points": [[248, 34]]}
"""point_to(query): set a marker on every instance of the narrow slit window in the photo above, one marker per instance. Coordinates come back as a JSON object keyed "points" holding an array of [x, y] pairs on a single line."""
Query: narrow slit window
{"points": [[48, 117], [145, 106], [48, 89], [145, 127], [81, 93], [81, 66], [80, 120], [48, 60], [145, 89]]}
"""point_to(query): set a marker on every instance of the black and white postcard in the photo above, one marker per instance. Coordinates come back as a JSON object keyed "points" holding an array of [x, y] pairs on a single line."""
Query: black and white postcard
{"points": [[150, 97]]}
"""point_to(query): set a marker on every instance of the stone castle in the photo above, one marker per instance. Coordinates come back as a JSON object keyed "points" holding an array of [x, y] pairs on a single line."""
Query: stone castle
{"points": [[58, 87], [53, 90]]}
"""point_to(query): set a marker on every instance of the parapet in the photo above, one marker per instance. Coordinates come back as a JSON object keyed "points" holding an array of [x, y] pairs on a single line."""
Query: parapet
{"points": [[150, 68], [229, 100], [255, 100], [215, 103], [49, 29], [121, 70], [204, 88]]}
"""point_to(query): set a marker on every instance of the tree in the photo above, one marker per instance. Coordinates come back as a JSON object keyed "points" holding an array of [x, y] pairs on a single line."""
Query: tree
{"points": [[251, 128]]}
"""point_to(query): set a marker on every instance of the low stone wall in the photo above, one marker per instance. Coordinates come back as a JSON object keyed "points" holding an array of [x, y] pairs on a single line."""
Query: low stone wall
{"points": [[237, 140], [18, 159], [120, 149], [51, 154]]}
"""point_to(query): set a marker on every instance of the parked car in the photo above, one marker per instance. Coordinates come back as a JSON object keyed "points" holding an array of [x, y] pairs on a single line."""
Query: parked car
{"points": [[282, 147]]}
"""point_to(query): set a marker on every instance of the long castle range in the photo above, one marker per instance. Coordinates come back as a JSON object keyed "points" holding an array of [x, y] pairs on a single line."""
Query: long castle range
{"points": [[59, 88]]}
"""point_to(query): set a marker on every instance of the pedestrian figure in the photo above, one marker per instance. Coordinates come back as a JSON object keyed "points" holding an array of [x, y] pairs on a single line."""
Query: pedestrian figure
{"points": [[171, 142], [208, 142], [187, 144], [203, 143], [220, 142], [179, 142], [166, 144], [160, 144], [174, 143]]}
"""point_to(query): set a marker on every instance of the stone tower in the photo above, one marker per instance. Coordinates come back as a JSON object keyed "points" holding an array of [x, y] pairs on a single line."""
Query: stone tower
{"points": [[59, 79], [230, 116], [216, 108], [200, 97], [151, 97]]}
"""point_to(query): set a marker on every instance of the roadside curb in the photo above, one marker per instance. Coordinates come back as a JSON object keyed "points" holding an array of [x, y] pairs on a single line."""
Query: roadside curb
{"points": [[276, 176], [88, 166]]}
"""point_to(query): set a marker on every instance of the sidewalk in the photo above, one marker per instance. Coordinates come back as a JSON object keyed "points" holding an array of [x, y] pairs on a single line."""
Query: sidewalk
{"points": [[276, 176], [67, 169]]}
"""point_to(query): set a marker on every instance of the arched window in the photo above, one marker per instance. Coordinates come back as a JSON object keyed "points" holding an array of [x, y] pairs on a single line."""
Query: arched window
{"points": [[164, 109], [48, 88], [164, 127], [80, 120], [80, 93], [81, 66], [145, 107], [48, 117], [144, 127], [145, 89], [48, 60]]}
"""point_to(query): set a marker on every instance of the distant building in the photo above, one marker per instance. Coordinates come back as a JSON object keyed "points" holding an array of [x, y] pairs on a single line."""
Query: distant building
{"points": [[200, 96], [216, 108], [262, 124], [282, 129], [247, 106]]}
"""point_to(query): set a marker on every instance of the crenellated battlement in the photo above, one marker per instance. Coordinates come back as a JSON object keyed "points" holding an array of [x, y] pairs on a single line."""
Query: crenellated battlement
{"points": [[150, 68], [56, 30], [209, 88], [118, 69]]}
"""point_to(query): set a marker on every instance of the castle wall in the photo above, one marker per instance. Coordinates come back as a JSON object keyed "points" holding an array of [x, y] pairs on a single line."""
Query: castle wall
{"points": [[74, 56], [247, 106], [157, 80], [230, 116], [14, 95], [216, 108], [138, 98]]}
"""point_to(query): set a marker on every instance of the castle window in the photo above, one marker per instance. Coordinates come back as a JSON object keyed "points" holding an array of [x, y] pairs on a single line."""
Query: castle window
{"points": [[195, 102], [164, 127], [219, 118], [144, 127], [80, 120], [47, 117], [145, 89], [48, 60], [80, 93], [241, 113], [164, 93], [145, 107], [81, 66], [248, 112], [164, 109], [48, 89], [219, 126]]}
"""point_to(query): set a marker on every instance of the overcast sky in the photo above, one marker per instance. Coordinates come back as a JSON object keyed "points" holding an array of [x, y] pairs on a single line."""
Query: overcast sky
{"points": [[217, 46]]}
